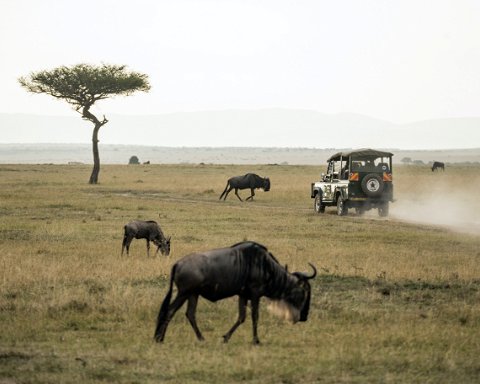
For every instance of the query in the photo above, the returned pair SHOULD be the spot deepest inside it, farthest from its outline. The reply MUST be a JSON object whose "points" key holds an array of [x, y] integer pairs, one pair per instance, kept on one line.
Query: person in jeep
{"points": [[360, 179]]}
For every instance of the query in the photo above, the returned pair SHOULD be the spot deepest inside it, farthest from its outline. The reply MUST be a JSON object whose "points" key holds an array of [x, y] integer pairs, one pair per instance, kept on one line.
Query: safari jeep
{"points": [[360, 179]]}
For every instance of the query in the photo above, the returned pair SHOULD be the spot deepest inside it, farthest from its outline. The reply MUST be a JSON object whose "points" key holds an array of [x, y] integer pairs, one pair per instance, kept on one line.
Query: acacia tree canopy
{"points": [[84, 84], [81, 86]]}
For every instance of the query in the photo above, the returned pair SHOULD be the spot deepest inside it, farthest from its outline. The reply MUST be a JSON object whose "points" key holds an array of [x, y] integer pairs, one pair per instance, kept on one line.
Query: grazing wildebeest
{"points": [[245, 269], [148, 230], [250, 180], [438, 165]]}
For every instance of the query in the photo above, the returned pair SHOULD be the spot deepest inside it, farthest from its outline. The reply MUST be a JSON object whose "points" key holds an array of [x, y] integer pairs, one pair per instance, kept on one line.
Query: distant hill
{"points": [[246, 128], [120, 154]]}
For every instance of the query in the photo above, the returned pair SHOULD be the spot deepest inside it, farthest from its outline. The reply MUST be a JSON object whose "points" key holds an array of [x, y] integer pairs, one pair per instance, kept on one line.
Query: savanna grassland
{"points": [[394, 302]]}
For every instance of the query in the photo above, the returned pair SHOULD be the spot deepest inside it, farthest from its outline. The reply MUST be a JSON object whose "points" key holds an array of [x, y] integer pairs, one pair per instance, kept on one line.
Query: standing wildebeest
{"points": [[250, 180], [245, 269], [148, 230], [438, 165]]}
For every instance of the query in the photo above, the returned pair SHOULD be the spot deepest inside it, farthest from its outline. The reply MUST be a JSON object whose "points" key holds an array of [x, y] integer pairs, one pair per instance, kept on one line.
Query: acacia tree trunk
{"points": [[96, 156], [87, 115]]}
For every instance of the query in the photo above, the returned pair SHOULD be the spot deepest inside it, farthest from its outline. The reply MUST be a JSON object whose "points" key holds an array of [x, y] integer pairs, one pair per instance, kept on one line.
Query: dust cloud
{"points": [[450, 208]]}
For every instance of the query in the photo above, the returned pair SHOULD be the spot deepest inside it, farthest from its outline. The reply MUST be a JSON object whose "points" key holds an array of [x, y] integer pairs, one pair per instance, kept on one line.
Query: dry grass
{"points": [[395, 301]]}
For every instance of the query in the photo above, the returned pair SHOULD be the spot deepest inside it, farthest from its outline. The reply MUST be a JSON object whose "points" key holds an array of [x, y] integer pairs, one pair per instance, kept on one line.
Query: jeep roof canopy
{"points": [[359, 152]]}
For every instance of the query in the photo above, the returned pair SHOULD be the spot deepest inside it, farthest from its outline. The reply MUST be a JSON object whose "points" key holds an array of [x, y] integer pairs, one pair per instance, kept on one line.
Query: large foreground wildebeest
{"points": [[245, 269], [148, 230], [250, 180], [438, 165]]}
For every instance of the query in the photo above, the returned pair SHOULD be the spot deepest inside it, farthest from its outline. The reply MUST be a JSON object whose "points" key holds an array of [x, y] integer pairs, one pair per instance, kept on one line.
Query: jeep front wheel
{"points": [[342, 209], [317, 204], [372, 184]]}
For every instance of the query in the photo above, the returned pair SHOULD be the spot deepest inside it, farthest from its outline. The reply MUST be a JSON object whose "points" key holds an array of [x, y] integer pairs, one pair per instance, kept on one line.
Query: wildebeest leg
{"points": [[148, 247], [173, 307], [126, 243], [191, 309], [251, 196], [255, 303], [236, 193], [225, 192], [242, 313], [157, 243]]}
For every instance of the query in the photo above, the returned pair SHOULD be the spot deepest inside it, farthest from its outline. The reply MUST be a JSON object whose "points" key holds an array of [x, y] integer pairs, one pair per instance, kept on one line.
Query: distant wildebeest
{"points": [[148, 230], [250, 180], [245, 269], [438, 165]]}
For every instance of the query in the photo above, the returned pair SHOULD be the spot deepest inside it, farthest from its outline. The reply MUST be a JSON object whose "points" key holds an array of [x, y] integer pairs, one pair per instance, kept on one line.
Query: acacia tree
{"points": [[81, 86]]}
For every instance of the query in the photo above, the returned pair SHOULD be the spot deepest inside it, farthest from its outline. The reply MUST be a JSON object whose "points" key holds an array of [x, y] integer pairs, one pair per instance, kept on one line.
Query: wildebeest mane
{"points": [[249, 242], [266, 265]]}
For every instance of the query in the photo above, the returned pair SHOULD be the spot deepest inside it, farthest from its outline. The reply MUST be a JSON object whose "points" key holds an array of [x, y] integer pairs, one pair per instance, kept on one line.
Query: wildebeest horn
{"points": [[314, 272], [305, 276]]}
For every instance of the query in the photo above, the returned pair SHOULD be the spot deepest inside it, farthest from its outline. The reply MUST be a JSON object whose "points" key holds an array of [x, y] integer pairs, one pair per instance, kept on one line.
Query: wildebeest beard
{"points": [[284, 310]]}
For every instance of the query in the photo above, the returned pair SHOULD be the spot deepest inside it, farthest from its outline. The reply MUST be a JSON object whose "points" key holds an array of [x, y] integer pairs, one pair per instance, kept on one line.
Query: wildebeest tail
{"points": [[163, 314], [224, 191]]}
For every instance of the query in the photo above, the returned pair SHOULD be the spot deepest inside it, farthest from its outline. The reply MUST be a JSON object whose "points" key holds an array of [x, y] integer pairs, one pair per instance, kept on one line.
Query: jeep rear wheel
{"points": [[342, 209], [372, 184], [383, 210], [317, 204]]}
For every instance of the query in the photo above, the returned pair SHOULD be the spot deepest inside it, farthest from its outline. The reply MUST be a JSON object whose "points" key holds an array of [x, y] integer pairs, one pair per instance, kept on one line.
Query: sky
{"points": [[400, 60]]}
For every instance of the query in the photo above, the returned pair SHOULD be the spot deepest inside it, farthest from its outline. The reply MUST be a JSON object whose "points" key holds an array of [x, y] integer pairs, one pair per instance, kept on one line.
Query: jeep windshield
{"points": [[371, 164]]}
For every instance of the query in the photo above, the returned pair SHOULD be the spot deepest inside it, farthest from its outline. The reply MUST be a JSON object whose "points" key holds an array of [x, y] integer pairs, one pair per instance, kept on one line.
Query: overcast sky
{"points": [[401, 61]]}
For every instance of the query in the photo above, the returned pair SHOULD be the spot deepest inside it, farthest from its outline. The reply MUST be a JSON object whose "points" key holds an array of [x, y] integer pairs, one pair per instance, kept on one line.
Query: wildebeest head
{"points": [[295, 303], [299, 296], [163, 245], [266, 184]]}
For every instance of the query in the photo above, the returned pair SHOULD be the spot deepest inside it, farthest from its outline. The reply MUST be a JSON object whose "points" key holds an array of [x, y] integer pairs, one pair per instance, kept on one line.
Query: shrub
{"points": [[133, 160]]}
